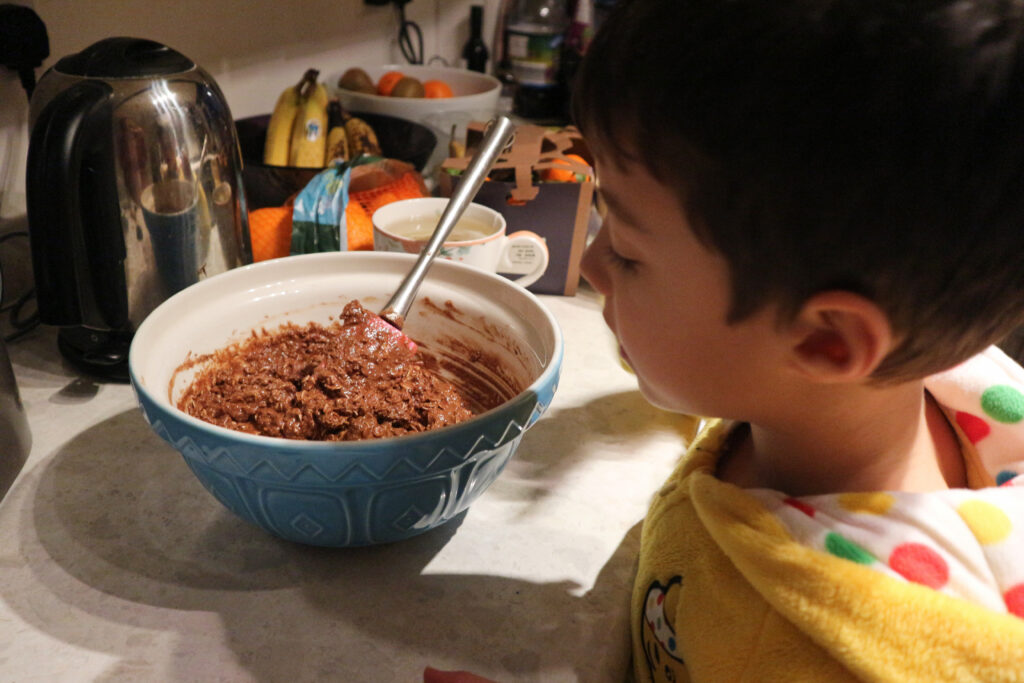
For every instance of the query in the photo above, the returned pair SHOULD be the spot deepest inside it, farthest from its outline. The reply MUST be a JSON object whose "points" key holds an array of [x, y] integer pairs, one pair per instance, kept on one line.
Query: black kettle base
{"points": [[103, 353]]}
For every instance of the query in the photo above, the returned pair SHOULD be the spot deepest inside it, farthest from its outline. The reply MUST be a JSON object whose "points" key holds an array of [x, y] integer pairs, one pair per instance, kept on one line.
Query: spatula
{"points": [[497, 136]]}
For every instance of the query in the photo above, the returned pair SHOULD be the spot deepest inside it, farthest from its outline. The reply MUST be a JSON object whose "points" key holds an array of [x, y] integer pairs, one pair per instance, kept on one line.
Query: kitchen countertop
{"points": [[115, 564]]}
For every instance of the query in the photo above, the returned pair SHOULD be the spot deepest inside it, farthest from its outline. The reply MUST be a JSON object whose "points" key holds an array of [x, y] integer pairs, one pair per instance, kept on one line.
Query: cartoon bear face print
{"points": [[658, 633]]}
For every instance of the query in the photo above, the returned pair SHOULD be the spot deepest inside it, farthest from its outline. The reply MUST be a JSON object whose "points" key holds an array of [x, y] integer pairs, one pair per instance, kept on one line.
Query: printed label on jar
{"points": [[534, 58]]}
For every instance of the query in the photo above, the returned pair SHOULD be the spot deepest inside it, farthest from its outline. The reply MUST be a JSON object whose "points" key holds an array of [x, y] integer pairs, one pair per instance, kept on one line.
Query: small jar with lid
{"points": [[534, 33]]}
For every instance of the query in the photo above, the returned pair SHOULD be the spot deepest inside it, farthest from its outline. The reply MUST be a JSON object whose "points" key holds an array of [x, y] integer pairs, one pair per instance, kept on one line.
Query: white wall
{"points": [[253, 48]]}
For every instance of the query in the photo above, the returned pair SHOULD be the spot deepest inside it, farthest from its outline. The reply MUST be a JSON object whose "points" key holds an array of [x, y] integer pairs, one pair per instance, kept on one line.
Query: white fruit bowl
{"points": [[476, 96]]}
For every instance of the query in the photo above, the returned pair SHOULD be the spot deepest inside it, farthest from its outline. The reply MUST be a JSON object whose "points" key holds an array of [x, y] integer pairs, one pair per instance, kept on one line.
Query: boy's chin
{"points": [[658, 400], [675, 404]]}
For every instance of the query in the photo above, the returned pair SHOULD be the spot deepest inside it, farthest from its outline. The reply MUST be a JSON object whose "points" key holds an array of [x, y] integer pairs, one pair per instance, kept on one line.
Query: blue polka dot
{"points": [[657, 623], [671, 644], [1005, 476]]}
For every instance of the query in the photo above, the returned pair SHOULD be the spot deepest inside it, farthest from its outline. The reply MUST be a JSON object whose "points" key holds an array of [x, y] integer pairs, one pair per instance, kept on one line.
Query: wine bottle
{"points": [[474, 52]]}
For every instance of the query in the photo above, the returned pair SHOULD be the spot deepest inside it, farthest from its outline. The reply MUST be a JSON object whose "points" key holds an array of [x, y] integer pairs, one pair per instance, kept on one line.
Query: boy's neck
{"points": [[863, 439]]}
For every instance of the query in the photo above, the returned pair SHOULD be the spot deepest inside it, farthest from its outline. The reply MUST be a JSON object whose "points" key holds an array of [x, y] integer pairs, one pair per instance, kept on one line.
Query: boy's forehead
{"points": [[632, 194], [619, 207]]}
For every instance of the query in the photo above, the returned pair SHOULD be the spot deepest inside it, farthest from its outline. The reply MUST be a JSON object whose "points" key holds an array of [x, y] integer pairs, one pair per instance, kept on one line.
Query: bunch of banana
{"points": [[297, 132], [308, 129], [348, 137]]}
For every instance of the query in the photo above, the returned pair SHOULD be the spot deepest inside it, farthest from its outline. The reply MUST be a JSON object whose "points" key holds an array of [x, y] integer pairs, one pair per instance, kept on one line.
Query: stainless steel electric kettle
{"points": [[134, 192]]}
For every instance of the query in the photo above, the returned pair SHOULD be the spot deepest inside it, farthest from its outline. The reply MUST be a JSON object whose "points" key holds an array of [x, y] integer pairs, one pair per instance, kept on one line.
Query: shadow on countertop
{"points": [[116, 509], [611, 420]]}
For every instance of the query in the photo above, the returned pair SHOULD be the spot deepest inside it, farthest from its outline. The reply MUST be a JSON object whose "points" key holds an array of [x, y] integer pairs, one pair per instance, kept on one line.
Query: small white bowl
{"points": [[476, 96]]}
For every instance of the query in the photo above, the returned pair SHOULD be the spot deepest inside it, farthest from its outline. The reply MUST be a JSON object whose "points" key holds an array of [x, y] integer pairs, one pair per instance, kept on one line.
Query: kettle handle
{"points": [[73, 212]]}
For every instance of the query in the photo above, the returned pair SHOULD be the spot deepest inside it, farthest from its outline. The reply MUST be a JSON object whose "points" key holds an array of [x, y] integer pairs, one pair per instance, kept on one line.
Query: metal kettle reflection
{"points": [[134, 192]]}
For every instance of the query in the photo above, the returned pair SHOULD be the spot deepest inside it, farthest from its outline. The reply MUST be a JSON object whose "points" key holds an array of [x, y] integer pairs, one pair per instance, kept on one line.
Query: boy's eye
{"points": [[618, 260]]}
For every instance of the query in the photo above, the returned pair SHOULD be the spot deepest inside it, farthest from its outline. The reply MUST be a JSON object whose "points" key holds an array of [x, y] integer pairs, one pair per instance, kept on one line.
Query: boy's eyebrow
{"points": [[620, 210]]}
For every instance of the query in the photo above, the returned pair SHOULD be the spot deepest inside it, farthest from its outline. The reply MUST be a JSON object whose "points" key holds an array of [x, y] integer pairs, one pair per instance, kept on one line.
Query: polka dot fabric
{"points": [[984, 397], [968, 544], [962, 542]]}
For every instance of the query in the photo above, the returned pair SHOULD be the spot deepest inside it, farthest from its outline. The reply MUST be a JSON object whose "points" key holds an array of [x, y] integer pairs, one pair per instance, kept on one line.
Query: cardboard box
{"points": [[557, 211]]}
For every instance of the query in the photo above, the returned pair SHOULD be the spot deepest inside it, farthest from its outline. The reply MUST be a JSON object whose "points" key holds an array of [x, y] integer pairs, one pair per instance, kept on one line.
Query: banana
{"points": [[309, 131], [361, 138], [456, 149], [321, 94], [337, 139], [279, 129]]}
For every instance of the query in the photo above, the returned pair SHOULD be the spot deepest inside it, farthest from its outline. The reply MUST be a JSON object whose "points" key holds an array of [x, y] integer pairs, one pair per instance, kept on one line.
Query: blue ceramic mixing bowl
{"points": [[358, 492]]}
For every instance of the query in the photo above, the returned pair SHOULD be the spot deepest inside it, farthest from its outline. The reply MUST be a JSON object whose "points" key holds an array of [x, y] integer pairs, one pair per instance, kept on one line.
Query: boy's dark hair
{"points": [[874, 146]]}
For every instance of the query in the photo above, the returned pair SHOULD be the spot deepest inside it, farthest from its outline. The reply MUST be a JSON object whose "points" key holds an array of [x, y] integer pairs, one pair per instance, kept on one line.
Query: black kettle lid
{"points": [[125, 58]]}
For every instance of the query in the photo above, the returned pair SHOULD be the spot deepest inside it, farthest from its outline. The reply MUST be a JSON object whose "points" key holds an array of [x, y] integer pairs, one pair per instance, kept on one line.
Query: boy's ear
{"points": [[839, 337]]}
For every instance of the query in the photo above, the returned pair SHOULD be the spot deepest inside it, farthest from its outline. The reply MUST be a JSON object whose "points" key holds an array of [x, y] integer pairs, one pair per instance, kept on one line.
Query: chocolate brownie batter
{"points": [[352, 379]]}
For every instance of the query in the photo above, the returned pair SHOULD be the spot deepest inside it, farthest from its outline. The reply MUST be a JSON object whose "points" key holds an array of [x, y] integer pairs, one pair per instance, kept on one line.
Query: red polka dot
{"points": [[920, 564], [800, 505], [975, 428], [1015, 600]]}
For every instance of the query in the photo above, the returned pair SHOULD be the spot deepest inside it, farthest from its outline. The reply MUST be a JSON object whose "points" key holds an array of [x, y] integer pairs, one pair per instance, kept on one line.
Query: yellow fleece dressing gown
{"points": [[738, 584]]}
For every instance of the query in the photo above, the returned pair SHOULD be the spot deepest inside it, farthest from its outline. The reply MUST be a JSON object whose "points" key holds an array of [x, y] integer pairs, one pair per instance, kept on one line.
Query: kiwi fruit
{"points": [[408, 87], [358, 80]]}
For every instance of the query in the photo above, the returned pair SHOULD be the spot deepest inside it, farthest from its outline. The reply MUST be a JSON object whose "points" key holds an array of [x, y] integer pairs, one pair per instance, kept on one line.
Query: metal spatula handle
{"points": [[498, 134]]}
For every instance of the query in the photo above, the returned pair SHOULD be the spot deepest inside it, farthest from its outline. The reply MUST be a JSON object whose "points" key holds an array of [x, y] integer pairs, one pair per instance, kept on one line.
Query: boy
{"points": [[815, 210], [815, 232]]}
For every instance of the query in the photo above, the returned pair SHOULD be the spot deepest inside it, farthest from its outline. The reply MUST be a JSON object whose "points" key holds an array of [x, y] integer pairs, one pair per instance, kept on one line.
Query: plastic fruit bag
{"points": [[333, 211], [318, 214], [382, 181]]}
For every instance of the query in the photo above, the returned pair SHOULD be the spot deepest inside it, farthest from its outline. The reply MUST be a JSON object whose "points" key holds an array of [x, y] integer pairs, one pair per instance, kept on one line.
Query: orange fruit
{"points": [[566, 175], [379, 199], [270, 230], [358, 227], [387, 82], [437, 89]]}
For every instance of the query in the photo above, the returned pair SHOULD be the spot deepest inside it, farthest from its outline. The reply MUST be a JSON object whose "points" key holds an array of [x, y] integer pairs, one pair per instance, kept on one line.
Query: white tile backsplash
{"points": [[253, 49]]}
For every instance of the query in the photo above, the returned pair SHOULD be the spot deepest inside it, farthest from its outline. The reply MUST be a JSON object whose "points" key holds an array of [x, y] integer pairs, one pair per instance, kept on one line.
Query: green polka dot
{"points": [[847, 549], [1003, 403], [1005, 476]]}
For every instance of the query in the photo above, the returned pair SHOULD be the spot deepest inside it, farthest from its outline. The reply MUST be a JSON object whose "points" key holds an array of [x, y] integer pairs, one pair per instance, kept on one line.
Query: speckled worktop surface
{"points": [[116, 565]]}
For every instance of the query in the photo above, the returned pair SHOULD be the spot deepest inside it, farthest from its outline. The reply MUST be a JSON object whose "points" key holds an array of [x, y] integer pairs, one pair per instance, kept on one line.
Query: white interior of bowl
{"points": [[489, 312], [476, 95]]}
